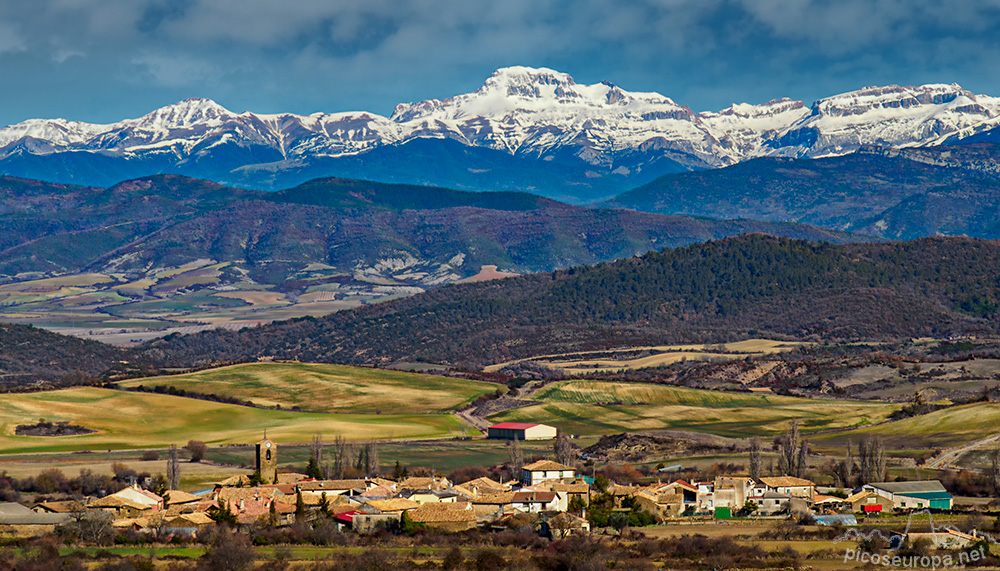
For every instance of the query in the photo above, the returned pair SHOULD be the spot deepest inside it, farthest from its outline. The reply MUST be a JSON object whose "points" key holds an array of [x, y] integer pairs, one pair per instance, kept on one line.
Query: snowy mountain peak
{"points": [[534, 112], [891, 97], [186, 113]]}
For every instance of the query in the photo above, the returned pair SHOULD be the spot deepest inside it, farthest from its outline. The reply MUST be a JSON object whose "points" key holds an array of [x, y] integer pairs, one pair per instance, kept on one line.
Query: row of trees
{"points": [[793, 457]]}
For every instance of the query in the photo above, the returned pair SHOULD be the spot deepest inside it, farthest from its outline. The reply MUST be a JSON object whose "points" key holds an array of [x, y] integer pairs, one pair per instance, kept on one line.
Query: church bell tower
{"points": [[267, 460]]}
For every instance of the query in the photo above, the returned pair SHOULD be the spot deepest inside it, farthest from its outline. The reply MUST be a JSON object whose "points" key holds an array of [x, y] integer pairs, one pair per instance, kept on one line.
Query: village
{"points": [[552, 498]]}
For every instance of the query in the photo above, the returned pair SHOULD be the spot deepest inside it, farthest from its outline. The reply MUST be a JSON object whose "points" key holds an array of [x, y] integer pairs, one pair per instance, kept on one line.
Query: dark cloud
{"points": [[101, 60]]}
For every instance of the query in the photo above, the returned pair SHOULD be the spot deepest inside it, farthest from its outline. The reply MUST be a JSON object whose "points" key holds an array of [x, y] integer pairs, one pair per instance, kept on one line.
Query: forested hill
{"points": [[29, 354], [750, 286], [898, 194]]}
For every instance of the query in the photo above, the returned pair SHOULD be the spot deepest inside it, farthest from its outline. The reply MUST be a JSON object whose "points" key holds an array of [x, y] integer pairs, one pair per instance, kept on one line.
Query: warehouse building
{"points": [[521, 431]]}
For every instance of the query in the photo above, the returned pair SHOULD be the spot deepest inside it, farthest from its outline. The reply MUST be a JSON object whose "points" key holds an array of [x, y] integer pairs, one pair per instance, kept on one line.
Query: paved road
{"points": [[951, 455]]}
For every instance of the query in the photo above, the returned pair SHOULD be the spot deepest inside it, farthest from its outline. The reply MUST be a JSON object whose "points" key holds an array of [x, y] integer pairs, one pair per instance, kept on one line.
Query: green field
{"points": [[330, 388], [127, 420], [597, 407]]}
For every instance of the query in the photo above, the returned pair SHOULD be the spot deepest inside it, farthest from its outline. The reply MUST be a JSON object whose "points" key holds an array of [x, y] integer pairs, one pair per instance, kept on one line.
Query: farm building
{"points": [[913, 495], [521, 431]]}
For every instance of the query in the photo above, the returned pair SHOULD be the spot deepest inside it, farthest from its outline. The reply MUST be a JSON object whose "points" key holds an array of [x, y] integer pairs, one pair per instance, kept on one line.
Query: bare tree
{"points": [[316, 448], [173, 469], [755, 458], [95, 527], [516, 457], [803, 461], [788, 451], [563, 449], [871, 457], [995, 470], [343, 456], [371, 455]]}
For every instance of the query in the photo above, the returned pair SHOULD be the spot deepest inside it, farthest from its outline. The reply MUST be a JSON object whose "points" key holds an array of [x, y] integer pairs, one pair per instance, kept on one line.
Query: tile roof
{"points": [[485, 483], [378, 492], [393, 505], [318, 485], [547, 465], [786, 482], [443, 513], [196, 518], [114, 501], [68, 506], [232, 495], [237, 481], [534, 497], [495, 499], [181, 497]]}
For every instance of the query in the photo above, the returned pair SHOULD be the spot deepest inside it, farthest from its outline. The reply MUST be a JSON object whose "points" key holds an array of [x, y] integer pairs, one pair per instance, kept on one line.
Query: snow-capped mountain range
{"points": [[524, 112]]}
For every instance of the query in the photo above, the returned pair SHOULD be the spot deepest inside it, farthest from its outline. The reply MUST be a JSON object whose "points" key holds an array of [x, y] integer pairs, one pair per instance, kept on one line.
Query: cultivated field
{"points": [[330, 388], [633, 406], [945, 428], [581, 363], [138, 420]]}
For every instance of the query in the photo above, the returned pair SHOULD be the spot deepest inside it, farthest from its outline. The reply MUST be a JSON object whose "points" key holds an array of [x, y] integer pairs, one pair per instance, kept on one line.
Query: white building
{"points": [[521, 431], [543, 470]]}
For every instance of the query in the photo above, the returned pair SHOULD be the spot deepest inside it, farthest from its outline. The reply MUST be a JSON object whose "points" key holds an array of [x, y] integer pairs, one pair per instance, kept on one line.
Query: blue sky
{"points": [[104, 60]]}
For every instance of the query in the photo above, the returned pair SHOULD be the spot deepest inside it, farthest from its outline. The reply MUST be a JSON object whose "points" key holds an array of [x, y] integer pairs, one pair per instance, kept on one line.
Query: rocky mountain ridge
{"points": [[534, 114]]}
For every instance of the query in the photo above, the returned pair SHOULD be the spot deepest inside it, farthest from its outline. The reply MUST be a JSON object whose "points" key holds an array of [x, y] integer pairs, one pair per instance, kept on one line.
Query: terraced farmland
{"points": [[330, 388], [597, 407]]}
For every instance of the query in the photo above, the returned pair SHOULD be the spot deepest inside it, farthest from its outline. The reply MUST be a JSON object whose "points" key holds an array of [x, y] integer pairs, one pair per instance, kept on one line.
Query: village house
{"points": [[706, 496], [335, 487], [432, 496], [424, 483], [869, 502], [790, 486], [521, 431], [453, 517], [484, 485], [120, 507], [538, 501], [730, 494], [770, 503], [187, 525], [543, 470], [491, 507], [59, 507], [575, 488]]}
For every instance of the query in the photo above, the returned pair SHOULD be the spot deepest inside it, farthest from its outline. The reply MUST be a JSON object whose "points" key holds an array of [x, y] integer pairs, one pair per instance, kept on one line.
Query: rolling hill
{"points": [[166, 253]]}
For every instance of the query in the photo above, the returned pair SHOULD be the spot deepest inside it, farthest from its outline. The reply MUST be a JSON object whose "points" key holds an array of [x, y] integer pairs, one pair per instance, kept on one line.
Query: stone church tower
{"points": [[267, 460]]}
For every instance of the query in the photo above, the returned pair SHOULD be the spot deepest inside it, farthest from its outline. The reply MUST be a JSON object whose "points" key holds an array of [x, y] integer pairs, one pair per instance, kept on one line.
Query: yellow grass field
{"points": [[940, 429], [578, 363], [126, 420], [597, 407], [330, 388], [194, 476]]}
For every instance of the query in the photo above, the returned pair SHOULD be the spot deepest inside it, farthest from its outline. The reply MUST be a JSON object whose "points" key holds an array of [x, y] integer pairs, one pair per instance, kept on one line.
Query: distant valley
{"points": [[165, 253]]}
